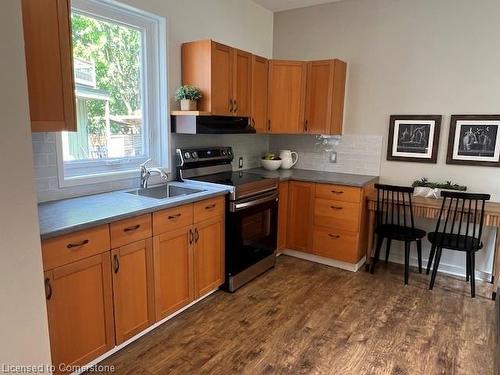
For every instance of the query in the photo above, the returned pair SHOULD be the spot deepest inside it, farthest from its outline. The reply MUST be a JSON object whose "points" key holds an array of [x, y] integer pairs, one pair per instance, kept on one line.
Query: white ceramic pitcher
{"points": [[288, 158]]}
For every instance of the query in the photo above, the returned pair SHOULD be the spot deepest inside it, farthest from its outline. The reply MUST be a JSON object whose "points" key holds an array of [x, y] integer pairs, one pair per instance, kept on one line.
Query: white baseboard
{"points": [[446, 268], [326, 261], [139, 335]]}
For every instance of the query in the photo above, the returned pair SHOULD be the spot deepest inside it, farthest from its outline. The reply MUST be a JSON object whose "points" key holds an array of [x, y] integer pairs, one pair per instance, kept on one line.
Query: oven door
{"points": [[251, 231]]}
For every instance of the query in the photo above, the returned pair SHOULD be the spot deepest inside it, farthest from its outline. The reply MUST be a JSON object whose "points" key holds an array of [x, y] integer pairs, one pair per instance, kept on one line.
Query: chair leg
{"points": [[380, 239], [436, 265], [467, 266], [472, 266], [431, 257], [407, 261], [387, 250], [419, 254]]}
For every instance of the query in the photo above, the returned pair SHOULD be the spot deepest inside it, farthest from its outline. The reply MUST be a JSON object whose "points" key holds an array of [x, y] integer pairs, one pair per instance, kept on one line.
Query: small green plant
{"points": [[188, 92], [424, 182]]}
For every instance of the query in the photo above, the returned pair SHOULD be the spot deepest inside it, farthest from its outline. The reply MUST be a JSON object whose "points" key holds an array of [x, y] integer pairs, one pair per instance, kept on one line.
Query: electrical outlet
{"points": [[240, 162], [333, 156]]}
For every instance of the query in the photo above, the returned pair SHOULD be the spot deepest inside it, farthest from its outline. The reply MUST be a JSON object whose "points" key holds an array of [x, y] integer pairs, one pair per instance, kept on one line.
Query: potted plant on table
{"points": [[188, 95], [428, 189]]}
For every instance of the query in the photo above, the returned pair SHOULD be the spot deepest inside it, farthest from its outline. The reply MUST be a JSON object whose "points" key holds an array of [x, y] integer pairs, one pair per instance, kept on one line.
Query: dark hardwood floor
{"points": [[305, 318]]}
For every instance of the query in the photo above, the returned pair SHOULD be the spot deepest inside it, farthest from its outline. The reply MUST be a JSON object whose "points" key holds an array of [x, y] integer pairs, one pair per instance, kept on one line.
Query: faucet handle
{"points": [[143, 165]]}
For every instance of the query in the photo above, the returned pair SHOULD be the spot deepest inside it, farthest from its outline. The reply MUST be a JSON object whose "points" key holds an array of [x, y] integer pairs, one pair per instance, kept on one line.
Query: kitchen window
{"points": [[119, 64]]}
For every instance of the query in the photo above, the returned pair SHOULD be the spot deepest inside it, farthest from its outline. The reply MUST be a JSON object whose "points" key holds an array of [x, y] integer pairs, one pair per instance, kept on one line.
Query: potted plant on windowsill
{"points": [[188, 95]]}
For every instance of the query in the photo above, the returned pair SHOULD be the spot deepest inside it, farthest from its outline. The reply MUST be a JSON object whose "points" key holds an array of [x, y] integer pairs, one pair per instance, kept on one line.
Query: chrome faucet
{"points": [[146, 173]]}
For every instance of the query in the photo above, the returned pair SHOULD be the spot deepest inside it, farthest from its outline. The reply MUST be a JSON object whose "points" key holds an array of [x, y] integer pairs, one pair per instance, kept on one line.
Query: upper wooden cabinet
{"points": [[49, 64], [325, 97], [260, 71], [224, 75], [287, 91]]}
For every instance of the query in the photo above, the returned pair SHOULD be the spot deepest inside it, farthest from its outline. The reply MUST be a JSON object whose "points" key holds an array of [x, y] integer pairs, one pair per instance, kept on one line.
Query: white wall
{"points": [[238, 23], [23, 319], [406, 57]]}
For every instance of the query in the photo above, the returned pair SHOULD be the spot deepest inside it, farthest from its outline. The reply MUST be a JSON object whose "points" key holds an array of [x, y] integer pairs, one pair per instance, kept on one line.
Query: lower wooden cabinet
{"points": [[208, 255], [335, 244], [99, 297], [282, 214], [80, 310], [300, 215], [133, 288], [173, 264]]}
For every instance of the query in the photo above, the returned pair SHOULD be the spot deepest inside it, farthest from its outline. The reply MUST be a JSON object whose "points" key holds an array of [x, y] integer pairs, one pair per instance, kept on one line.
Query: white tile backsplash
{"points": [[357, 154], [249, 146]]}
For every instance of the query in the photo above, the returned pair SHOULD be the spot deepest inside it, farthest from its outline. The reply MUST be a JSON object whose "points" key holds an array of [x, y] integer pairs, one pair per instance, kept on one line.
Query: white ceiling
{"points": [[279, 5]]}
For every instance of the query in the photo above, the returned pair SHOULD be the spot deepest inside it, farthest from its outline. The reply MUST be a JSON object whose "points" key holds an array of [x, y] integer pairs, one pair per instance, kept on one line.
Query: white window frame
{"points": [[154, 82]]}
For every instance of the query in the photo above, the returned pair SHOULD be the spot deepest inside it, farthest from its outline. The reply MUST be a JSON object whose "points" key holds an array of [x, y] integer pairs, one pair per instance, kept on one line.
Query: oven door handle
{"points": [[243, 205]]}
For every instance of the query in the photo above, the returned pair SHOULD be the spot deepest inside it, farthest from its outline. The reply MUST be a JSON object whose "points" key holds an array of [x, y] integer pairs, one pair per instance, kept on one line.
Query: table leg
{"points": [[496, 265], [371, 233]]}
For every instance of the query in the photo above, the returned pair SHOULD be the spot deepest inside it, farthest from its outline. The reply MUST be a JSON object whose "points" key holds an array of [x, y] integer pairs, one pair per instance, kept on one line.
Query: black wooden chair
{"points": [[459, 227], [395, 222]]}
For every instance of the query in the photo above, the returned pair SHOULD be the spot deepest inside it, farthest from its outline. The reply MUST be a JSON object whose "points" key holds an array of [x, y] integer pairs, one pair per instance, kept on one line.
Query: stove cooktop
{"points": [[245, 184], [230, 178]]}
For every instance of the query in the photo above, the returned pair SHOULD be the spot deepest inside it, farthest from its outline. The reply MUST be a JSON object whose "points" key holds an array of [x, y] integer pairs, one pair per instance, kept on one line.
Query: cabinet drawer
{"points": [[209, 208], [337, 215], [336, 245], [172, 219], [338, 192], [71, 247], [130, 230]]}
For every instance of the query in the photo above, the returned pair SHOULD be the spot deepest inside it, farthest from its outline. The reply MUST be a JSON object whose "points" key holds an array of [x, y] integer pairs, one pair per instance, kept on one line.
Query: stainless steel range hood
{"points": [[192, 124]]}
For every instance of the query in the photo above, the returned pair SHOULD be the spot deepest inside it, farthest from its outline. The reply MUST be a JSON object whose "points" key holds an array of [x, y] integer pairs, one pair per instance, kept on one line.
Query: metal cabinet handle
{"points": [[337, 192], [196, 235], [231, 105], [252, 122], [78, 244], [235, 106], [333, 235], [132, 228], [305, 125], [116, 263], [171, 217], [209, 207], [48, 289], [336, 207], [191, 236], [269, 125]]}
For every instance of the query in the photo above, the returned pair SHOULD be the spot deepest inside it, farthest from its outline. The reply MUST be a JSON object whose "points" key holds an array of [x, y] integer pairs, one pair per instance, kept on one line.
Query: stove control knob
{"points": [[223, 152], [229, 151], [194, 154], [187, 155]]}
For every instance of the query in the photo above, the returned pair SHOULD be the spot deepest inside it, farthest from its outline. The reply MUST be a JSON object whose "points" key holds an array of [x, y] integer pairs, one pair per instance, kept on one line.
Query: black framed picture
{"points": [[474, 140], [414, 138]]}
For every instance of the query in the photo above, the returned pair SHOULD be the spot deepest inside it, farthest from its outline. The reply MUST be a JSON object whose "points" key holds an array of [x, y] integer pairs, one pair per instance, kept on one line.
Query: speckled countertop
{"points": [[306, 175], [69, 215]]}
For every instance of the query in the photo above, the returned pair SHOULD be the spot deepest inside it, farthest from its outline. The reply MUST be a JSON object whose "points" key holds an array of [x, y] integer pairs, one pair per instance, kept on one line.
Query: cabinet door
{"points": [[173, 265], [260, 71], [287, 88], [222, 80], [208, 255], [300, 217], [80, 310], [325, 96], [133, 288], [282, 214], [319, 97], [242, 88], [47, 44]]}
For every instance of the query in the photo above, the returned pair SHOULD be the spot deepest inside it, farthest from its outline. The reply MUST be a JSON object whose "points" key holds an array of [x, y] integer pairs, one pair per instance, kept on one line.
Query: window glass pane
{"points": [[109, 107]]}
